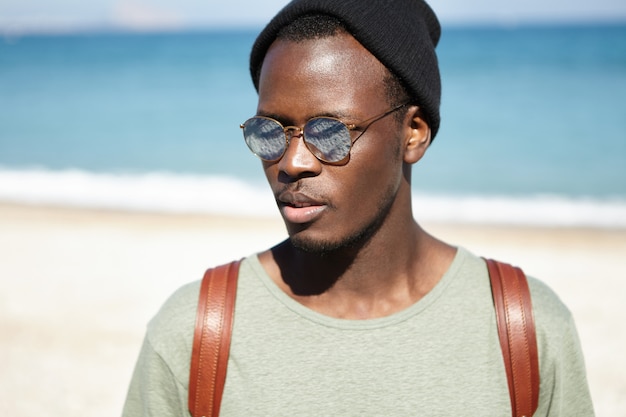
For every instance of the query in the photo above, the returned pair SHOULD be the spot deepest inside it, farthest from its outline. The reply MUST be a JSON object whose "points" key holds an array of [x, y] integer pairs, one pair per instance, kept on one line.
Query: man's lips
{"points": [[299, 208]]}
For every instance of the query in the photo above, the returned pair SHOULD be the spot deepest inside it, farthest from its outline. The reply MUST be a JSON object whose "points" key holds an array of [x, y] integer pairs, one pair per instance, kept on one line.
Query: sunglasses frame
{"points": [[290, 132]]}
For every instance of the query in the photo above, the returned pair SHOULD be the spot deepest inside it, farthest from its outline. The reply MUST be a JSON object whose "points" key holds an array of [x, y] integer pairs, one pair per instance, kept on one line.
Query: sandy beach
{"points": [[78, 286]]}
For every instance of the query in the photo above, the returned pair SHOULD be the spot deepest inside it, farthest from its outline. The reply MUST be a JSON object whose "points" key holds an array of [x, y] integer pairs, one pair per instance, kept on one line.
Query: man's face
{"points": [[327, 207]]}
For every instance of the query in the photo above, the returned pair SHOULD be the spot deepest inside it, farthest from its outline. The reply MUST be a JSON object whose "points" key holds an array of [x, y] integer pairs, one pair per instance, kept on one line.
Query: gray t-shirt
{"points": [[439, 357]]}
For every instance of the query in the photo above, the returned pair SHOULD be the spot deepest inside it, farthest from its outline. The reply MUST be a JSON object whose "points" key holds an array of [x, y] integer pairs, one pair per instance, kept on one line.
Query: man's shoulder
{"points": [[548, 308], [171, 329], [179, 303], [546, 300], [175, 319], [555, 328]]}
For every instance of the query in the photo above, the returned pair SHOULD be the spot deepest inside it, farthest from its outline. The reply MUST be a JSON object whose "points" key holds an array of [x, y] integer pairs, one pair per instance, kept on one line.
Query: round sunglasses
{"points": [[327, 138]]}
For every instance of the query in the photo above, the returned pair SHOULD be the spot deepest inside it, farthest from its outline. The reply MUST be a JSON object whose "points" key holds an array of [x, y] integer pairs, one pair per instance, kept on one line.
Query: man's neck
{"points": [[382, 277]]}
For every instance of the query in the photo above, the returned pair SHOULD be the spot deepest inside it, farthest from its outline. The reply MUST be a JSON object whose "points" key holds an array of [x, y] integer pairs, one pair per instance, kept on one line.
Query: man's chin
{"points": [[322, 246], [314, 246]]}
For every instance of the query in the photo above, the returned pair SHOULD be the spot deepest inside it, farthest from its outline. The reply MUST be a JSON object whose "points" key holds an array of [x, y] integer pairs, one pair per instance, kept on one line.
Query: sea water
{"points": [[533, 125]]}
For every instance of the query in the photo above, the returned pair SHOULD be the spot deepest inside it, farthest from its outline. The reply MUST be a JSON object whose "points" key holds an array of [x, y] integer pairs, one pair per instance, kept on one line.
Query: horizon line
{"points": [[9, 31]]}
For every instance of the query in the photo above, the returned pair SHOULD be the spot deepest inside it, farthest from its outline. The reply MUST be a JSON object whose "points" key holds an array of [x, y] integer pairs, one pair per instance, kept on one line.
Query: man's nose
{"points": [[298, 161]]}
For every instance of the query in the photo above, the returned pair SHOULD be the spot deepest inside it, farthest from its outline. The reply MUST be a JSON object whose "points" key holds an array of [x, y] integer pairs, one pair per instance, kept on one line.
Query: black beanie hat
{"points": [[401, 34]]}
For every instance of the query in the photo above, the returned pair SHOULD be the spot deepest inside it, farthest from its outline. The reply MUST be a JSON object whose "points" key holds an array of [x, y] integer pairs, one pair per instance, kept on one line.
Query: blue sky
{"points": [[63, 15]]}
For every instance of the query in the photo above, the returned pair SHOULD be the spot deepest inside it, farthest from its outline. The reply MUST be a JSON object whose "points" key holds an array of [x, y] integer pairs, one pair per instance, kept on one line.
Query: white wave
{"points": [[539, 210], [177, 193], [153, 192]]}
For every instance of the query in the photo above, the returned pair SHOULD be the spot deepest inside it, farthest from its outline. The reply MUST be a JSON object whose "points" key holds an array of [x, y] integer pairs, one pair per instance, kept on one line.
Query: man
{"points": [[360, 312]]}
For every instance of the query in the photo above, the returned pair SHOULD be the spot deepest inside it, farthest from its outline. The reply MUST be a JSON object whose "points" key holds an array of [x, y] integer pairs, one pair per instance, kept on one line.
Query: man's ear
{"points": [[418, 136]]}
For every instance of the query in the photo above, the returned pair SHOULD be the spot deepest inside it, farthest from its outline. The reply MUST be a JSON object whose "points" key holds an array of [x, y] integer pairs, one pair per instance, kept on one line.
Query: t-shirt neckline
{"points": [[365, 324]]}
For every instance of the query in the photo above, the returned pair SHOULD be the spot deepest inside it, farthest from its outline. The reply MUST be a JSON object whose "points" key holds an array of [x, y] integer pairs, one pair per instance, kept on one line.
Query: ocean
{"points": [[533, 125]]}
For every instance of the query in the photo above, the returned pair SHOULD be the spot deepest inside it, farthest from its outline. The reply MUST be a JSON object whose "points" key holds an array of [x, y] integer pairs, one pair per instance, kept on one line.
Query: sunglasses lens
{"points": [[328, 139], [265, 138]]}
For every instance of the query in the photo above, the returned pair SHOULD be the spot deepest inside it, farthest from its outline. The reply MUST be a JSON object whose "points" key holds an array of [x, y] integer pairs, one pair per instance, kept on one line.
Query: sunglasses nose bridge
{"points": [[291, 131]]}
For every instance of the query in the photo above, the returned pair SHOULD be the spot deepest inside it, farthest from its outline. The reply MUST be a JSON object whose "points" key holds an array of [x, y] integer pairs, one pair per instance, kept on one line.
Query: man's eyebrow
{"points": [[270, 115], [341, 115], [337, 115]]}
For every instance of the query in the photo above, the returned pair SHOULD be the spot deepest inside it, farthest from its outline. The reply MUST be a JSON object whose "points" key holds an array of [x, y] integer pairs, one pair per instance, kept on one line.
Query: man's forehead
{"points": [[340, 55]]}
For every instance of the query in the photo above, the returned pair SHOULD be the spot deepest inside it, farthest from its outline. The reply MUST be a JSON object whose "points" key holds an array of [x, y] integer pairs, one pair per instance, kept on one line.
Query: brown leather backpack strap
{"points": [[516, 330], [211, 340]]}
